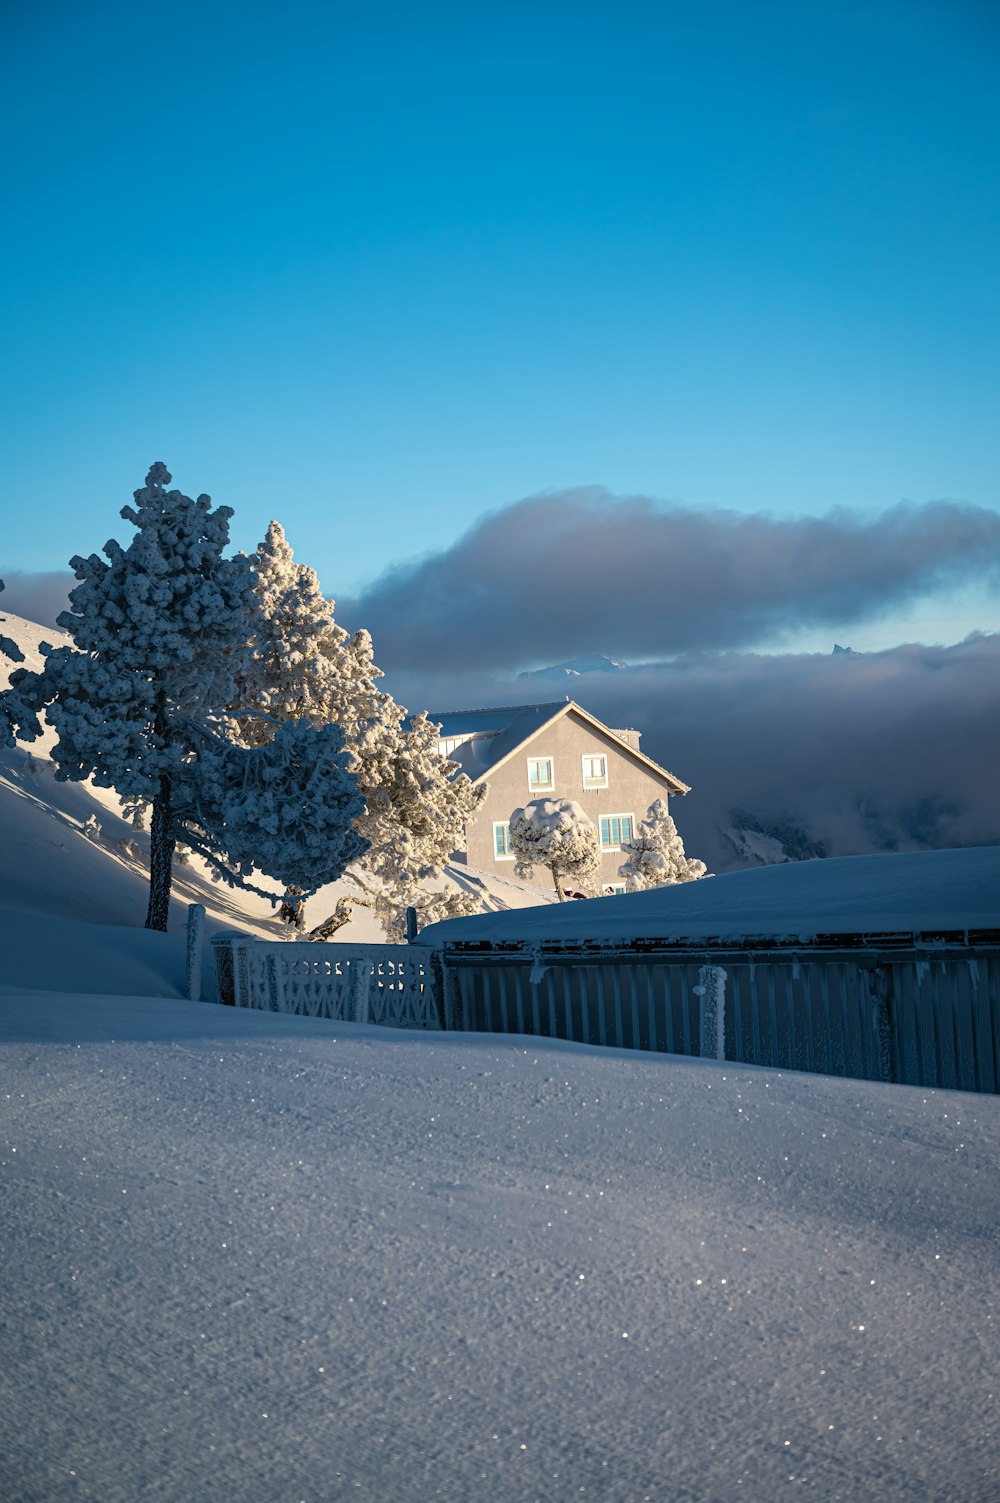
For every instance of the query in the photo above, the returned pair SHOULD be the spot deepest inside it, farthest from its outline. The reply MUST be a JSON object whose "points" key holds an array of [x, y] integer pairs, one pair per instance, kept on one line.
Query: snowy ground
{"points": [[267, 1260]]}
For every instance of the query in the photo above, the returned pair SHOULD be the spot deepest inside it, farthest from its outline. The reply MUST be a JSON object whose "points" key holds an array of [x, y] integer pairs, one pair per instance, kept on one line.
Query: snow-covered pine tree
{"points": [[157, 633], [304, 665], [297, 663], [419, 804], [286, 809], [555, 833], [655, 857]]}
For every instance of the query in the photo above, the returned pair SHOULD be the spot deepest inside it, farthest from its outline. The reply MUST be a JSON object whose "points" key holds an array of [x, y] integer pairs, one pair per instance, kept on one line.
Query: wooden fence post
{"points": [[711, 992], [195, 948], [879, 994]]}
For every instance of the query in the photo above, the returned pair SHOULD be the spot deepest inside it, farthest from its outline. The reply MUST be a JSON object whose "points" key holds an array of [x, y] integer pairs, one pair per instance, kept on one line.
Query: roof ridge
{"points": [[541, 704]]}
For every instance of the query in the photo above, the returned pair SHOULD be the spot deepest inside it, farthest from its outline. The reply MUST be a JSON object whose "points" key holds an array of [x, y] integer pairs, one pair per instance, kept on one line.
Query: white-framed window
{"points": [[614, 889], [502, 849], [615, 830], [595, 771], [541, 774]]}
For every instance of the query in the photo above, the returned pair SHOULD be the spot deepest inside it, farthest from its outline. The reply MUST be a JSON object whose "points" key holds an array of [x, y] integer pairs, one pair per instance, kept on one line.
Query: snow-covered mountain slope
{"points": [[575, 668], [759, 841], [29, 637]]}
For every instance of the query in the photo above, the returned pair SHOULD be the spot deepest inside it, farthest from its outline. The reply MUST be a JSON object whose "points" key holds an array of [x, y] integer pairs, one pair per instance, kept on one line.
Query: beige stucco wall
{"points": [[631, 789]]}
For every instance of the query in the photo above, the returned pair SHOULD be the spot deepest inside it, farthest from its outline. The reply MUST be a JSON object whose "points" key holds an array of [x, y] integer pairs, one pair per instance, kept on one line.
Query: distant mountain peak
{"points": [[849, 650], [575, 668]]}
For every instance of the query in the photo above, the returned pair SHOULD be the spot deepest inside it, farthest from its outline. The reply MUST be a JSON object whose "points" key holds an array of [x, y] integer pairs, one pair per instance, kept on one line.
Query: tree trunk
{"points": [[161, 859], [293, 909], [558, 886]]}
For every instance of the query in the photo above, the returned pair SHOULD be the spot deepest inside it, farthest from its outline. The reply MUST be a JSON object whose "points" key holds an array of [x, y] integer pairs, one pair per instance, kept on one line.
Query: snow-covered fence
{"points": [[917, 1016], [385, 984]]}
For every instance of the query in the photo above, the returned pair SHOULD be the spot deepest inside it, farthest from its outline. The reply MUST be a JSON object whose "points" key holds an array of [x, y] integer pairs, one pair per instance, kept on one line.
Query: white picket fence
{"points": [[384, 984]]}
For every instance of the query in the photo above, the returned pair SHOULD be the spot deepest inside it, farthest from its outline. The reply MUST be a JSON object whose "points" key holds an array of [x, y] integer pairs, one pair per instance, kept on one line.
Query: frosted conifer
{"points": [[418, 810], [655, 857], [296, 663], [303, 665], [555, 833], [157, 632], [287, 808]]}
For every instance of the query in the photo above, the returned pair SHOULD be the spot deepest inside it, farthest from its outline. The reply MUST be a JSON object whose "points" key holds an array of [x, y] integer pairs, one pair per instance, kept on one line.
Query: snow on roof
{"points": [[488, 722], [920, 892], [505, 727]]}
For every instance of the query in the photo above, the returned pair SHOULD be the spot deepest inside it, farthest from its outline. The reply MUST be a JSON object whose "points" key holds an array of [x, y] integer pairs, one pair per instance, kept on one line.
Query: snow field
{"points": [[270, 1259], [259, 1258]]}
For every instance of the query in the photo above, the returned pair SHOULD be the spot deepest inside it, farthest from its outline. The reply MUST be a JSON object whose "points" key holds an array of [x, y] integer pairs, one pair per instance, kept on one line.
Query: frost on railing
{"points": [[384, 984]]}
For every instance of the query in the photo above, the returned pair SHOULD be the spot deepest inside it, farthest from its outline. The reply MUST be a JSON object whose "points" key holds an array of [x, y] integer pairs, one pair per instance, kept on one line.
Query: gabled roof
{"points": [[505, 728]]}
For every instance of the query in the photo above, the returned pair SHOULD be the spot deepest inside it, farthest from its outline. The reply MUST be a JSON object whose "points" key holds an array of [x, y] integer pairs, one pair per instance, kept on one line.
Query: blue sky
{"points": [[376, 270]]}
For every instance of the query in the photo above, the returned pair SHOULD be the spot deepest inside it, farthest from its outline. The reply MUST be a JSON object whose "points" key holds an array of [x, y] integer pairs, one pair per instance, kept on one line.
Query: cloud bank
{"points": [[834, 755], [581, 571], [37, 597]]}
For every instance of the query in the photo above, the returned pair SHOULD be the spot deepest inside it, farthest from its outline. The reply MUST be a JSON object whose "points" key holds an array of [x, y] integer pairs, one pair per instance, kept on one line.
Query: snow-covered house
{"points": [[556, 750]]}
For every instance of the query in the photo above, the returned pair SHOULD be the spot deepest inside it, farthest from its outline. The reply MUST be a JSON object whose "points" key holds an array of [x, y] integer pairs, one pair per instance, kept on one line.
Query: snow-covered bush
{"points": [[303, 665], [555, 833], [655, 857]]}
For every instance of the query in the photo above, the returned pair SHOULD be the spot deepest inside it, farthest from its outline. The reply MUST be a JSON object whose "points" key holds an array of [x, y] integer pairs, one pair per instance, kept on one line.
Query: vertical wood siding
{"points": [[909, 1019]]}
